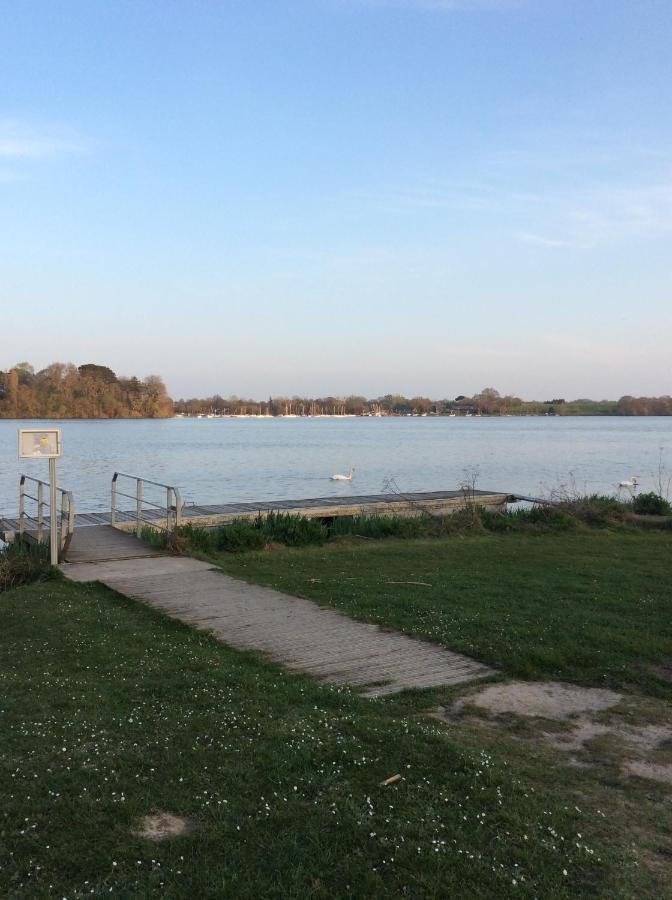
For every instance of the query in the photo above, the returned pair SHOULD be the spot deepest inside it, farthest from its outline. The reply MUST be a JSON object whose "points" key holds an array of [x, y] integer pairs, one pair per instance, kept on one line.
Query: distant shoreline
{"points": [[94, 391], [530, 415]]}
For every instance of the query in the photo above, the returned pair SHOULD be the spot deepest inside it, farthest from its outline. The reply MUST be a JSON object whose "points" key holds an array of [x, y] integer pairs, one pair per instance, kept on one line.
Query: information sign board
{"points": [[39, 443]]}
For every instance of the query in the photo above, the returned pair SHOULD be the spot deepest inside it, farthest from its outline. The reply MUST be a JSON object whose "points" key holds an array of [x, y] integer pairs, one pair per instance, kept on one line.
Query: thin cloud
{"points": [[593, 217], [18, 142], [540, 241], [602, 216], [582, 216]]}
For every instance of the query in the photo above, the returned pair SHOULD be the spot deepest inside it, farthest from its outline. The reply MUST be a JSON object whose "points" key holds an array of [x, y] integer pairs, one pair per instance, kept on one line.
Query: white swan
{"points": [[344, 477], [629, 483]]}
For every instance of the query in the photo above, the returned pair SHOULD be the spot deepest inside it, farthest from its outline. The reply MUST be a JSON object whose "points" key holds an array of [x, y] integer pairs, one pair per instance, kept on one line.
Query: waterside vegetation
{"points": [[644, 511], [21, 564]]}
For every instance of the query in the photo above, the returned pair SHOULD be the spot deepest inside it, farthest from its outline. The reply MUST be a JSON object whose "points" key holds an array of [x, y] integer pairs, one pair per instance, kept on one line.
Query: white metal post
{"points": [[22, 506], [64, 523], [40, 511], [53, 513], [178, 508], [113, 510], [138, 508]]}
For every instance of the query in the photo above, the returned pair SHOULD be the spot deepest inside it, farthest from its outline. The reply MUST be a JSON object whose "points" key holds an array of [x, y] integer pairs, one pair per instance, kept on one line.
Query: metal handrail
{"points": [[173, 507], [65, 518]]}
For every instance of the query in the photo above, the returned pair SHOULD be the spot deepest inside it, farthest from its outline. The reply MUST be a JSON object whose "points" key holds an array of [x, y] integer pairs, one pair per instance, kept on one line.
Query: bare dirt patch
{"points": [[663, 670], [548, 700], [162, 826], [645, 769], [640, 737], [580, 722]]}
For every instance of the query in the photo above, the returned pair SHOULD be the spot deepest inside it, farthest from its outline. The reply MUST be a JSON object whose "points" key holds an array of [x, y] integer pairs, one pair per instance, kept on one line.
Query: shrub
{"points": [[154, 537], [295, 531], [198, 538], [498, 521], [378, 526], [544, 516], [651, 504], [465, 519], [21, 564], [241, 534], [597, 510]]}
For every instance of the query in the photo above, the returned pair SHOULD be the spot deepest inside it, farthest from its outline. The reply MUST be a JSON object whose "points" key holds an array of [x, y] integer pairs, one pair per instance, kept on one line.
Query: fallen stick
{"points": [[391, 780]]}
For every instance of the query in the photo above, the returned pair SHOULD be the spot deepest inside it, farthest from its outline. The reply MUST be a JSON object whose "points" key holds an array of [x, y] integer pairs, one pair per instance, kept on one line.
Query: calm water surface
{"points": [[221, 460]]}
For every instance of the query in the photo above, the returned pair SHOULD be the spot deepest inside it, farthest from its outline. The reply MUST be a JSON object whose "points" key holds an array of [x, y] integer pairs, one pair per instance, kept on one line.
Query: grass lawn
{"points": [[594, 607], [110, 711]]}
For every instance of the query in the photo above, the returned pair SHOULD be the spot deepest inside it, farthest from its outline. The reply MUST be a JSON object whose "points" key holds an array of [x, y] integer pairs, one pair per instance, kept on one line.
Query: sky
{"points": [[319, 197]]}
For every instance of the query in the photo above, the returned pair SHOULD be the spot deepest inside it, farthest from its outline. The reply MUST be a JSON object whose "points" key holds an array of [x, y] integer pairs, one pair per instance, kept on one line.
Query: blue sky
{"points": [[334, 196]]}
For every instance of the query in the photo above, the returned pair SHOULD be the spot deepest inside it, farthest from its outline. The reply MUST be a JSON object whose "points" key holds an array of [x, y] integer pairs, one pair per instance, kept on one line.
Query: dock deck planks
{"points": [[435, 502]]}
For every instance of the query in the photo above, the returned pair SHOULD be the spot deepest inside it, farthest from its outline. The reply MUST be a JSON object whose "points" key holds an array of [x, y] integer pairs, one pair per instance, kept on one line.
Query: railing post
{"points": [[53, 514], [63, 531], [40, 511], [71, 514], [113, 508], [173, 504], [138, 508], [22, 506], [178, 508]]}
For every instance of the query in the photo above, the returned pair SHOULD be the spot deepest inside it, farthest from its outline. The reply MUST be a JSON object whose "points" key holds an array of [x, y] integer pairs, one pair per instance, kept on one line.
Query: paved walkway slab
{"points": [[294, 632]]}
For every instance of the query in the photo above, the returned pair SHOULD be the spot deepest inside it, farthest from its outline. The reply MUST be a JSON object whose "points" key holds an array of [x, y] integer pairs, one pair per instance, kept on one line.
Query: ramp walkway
{"points": [[99, 543], [291, 631]]}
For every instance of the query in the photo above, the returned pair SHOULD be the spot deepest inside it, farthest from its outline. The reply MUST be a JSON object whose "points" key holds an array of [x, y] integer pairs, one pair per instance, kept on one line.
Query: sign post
{"points": [[45, 443]]}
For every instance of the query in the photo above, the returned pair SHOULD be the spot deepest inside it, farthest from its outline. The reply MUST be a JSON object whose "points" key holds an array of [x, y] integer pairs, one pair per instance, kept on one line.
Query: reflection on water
{"points": [[222, 460]]}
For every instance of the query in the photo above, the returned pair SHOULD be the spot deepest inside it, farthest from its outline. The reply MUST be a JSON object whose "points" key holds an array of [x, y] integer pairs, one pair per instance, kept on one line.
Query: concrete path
{"points": [[294, 632]]}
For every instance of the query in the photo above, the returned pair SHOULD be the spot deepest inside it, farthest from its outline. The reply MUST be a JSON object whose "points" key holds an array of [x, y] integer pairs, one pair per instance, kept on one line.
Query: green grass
{"points": [[110, 711], [593, 607]]}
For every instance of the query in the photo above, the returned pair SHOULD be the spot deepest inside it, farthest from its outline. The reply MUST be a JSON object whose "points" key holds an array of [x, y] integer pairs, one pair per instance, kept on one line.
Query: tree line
{"points": [[488, 402], [90, 391], [64, 390]]}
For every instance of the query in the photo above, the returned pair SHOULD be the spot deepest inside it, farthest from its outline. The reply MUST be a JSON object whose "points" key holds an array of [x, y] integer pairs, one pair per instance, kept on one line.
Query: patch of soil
{"points": [[574, 707], [582, 731], [646, 769], [161, 826], [663, 670], [545, 699], [641, 737]]}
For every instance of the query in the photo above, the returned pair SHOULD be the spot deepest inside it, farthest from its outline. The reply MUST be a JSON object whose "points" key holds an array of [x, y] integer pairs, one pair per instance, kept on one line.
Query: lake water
{"points": [[224, 460]]}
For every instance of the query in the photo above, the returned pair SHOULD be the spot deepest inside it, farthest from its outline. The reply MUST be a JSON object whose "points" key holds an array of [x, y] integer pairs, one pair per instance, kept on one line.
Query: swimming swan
{"points": [[344, 477]]}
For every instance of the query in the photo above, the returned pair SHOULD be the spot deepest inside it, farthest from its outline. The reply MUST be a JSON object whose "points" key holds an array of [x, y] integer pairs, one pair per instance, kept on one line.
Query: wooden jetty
{"points": [[435, 503]]}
